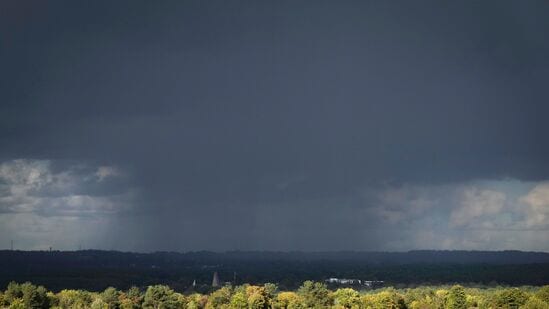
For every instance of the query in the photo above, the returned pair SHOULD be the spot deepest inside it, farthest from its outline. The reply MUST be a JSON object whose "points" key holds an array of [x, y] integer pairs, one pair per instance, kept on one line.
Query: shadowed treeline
{"points": [[96, 270]]}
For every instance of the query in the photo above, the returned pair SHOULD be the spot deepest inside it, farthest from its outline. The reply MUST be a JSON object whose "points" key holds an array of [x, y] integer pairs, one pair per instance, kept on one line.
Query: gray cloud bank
{"points": [[312, 125]]}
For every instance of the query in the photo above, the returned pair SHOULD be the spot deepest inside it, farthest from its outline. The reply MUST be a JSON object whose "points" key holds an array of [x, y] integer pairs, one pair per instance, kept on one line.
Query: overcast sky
{"points": [[274, 125]]}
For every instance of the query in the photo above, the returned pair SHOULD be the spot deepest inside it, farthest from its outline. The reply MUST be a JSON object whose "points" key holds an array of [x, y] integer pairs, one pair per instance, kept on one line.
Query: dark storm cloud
{"points": [[267, 121]]}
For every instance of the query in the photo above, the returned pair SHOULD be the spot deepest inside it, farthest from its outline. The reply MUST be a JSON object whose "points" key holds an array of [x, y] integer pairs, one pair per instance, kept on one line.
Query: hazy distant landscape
{"points": [[96, 270]]}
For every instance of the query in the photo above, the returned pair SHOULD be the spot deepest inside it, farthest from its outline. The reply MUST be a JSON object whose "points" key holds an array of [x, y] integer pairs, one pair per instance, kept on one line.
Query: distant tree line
{"points": [[97, 270], [267, 296]]}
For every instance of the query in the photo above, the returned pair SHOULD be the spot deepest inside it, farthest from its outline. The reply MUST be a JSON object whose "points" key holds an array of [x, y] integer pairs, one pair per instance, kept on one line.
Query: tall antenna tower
{"points": [[12, 245]]}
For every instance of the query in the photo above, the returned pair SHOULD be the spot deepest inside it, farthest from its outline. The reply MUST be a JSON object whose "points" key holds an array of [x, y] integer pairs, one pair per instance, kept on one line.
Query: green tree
{"points": [[288, 300], [456, 298], [440, 298], [257, 297], [132, 299], [98, 303], [161, 297], [272, 290], [74, 299], [315, 295], [17, 304], [239, 300], [543, 293], [511, 299], [53, 299], [110, 297], [425, 303], [388, 299], [196, 301], [346, 298], [535, 303], [13, 292], [220, 298], [420, 298], [34, 297]]}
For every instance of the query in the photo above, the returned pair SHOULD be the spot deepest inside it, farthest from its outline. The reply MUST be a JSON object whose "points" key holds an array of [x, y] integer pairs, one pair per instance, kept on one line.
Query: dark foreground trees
{"points": [[310, 295], [25, 295]]}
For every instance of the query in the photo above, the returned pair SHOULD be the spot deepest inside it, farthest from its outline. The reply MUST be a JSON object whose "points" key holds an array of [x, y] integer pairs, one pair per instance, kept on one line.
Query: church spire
{"points": [[215, 280]]}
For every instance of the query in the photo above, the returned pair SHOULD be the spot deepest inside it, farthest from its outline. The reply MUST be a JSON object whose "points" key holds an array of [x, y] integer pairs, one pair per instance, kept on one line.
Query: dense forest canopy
{"points": [[309, 295]]}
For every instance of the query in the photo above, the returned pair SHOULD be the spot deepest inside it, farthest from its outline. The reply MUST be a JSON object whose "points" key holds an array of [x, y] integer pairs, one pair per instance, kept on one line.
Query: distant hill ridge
{"points": [[374, 257]]}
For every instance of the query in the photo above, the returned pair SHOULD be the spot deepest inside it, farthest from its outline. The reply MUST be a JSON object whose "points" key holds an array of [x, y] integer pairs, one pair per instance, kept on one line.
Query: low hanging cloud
{"points": [[479, 215], [47, 203], [535, 205], [474, 215], [44, 205], [104, 172], [477, 204], [498, 204]]}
